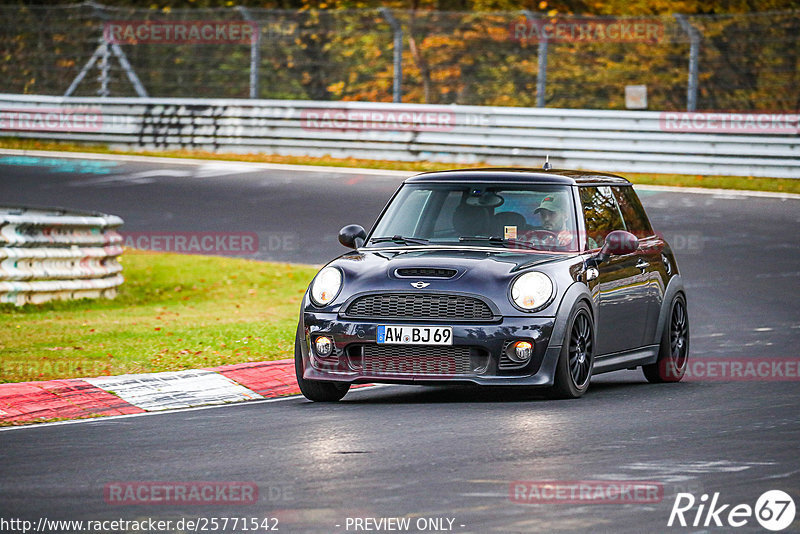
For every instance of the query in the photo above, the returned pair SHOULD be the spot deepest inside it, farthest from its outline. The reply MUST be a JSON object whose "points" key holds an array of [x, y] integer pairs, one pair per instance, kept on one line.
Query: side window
{"points": [[601, 214], [633, 213], [412, 209]]}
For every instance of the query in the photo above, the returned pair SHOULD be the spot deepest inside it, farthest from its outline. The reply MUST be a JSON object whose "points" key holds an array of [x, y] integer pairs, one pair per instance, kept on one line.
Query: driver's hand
{"points": [[564, 238]]}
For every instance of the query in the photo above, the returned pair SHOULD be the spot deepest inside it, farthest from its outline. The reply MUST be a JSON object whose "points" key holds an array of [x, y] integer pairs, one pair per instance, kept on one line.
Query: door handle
{"points": [[641, 264]]}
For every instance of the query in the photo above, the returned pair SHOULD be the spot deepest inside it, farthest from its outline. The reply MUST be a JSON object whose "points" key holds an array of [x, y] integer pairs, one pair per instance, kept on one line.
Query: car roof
{"points": [[521, 175]]}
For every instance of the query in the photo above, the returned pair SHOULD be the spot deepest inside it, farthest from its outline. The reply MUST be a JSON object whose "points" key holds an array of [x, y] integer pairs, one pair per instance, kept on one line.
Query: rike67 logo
{"points": [[774, 510]]}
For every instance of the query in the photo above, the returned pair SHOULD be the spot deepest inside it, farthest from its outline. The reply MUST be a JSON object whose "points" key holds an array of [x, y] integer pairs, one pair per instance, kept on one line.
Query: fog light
{"points": [[522, 351], [323, 346]]}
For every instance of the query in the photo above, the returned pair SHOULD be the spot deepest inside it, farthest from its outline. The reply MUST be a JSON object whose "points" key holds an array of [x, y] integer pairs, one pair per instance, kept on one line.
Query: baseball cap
{"points": [[551, 203]]}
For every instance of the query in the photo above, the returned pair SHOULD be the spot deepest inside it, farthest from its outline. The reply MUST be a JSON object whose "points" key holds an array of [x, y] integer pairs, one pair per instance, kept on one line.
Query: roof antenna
{"points": [[547, 165]]}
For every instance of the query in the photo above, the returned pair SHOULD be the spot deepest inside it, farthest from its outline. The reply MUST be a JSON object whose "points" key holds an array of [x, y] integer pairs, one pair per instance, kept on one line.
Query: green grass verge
{"points": [[748, 183], [173, 312]]}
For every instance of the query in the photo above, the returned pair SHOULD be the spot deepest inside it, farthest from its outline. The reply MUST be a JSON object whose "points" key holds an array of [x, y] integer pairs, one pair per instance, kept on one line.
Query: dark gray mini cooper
{"points": [[497, 277]]}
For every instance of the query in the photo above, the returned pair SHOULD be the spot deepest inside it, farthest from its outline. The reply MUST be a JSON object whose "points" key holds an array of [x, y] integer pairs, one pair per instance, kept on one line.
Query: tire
{"points": [[673, 355], [575, 363], [315, 390]]}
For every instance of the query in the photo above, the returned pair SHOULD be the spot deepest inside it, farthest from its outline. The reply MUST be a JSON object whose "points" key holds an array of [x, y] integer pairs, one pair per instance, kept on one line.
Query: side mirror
{"points": [[618, 242], [352, 236]]}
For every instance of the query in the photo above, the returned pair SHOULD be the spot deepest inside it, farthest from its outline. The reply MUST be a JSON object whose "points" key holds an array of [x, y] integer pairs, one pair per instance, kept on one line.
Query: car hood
{"points": [[501, 261], [482, 271]]}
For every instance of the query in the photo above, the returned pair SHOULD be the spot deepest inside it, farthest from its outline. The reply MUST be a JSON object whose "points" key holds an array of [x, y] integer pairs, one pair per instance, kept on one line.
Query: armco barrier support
{"points": [[738, 144], [48, 254]]}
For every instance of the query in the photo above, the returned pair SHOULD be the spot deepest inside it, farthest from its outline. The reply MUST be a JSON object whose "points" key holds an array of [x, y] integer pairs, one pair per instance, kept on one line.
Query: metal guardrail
{"points": [[48, 254], [621, 141]]}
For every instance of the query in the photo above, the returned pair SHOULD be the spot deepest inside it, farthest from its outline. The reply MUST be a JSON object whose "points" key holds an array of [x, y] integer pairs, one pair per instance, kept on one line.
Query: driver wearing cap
{"points": [[553, 214]]}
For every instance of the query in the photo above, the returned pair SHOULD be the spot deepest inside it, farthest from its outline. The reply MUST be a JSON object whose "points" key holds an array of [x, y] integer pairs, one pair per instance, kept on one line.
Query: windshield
{"points": [[525, 217]]}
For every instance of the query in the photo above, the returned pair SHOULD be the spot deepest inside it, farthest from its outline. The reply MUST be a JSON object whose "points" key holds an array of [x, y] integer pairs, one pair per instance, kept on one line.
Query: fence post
{"points": [[101, 54], [694, 56], [129, 72], [255, 51], [541, 76], [102, 77], [397, 46]]}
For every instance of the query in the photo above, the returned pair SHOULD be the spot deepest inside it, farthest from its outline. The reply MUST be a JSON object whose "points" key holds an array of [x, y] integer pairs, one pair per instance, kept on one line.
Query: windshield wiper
{"points": [[400, 240], [491, 238], [499, 240]]}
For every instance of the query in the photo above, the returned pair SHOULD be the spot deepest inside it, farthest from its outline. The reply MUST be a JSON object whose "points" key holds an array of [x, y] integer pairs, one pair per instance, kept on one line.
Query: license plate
{"points": [[415, 335]]}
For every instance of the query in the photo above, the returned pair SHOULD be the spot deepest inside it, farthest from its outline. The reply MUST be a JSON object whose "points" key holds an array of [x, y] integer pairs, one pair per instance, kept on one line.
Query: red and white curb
{"points": [[181, 389], [139, 393]]}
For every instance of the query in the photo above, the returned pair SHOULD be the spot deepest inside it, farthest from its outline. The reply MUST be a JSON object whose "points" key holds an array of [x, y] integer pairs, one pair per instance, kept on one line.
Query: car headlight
{"points": [[532, 291], [326, 286]]}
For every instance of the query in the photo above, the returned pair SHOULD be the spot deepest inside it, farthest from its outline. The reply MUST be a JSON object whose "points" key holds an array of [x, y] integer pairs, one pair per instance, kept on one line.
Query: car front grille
{"points": [[416, 360], [419, 306]]}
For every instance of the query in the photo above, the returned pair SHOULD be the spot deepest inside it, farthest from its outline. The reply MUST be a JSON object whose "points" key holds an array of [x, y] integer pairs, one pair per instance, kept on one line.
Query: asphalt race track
{"points": [[430, 453]]}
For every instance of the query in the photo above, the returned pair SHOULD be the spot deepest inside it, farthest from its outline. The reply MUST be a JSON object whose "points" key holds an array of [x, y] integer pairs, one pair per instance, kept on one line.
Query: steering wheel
{"points": [[543, 237]]}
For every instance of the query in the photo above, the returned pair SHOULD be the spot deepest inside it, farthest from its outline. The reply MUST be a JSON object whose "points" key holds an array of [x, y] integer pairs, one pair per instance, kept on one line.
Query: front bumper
{"points": [[476, 355]]}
